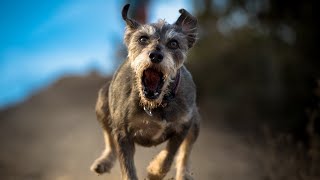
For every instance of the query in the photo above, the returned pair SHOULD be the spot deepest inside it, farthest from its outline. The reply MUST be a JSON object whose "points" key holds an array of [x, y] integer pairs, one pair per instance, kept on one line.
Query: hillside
{"points": [[54, 135]]}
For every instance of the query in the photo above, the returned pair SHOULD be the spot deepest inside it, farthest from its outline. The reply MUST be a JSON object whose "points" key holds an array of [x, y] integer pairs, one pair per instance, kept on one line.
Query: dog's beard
{"points": [[152, 80]]}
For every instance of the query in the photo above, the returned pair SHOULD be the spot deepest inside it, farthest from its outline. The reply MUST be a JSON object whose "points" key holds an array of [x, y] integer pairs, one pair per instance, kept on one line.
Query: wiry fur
{"points": [[159, 33], [120, 105]]}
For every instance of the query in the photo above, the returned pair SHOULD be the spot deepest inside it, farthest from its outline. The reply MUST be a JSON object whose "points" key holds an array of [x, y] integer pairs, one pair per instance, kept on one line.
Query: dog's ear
{"points": [[188, 24], [132, 25], [130, 22]]}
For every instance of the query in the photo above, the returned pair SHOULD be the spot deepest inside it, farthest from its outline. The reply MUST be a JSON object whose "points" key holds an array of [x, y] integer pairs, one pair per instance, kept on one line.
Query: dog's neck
{"points": [[173, 89]]}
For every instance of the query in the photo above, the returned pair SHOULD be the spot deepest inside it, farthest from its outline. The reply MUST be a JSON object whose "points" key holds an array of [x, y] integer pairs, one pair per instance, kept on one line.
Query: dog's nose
{"points": [[156, 57]]}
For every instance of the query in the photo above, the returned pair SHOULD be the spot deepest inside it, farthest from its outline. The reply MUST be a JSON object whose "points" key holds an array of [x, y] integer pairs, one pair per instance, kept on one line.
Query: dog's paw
{"points": [[156, 171], [103, 165]]}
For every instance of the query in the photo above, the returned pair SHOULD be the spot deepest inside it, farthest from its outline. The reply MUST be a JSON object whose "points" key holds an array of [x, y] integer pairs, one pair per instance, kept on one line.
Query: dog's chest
{"points": [[148, 131]]}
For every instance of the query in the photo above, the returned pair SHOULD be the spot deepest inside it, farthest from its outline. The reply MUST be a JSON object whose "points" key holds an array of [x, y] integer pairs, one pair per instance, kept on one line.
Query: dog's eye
{"points": [[143, 39], [173, 44]]}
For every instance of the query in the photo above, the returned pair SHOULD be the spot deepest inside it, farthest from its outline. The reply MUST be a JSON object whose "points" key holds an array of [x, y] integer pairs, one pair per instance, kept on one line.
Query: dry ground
{"points": [[54, 135]]}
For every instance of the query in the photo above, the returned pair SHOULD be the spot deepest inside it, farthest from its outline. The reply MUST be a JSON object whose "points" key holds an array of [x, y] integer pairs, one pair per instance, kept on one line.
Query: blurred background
{"points": [[256, 65]]}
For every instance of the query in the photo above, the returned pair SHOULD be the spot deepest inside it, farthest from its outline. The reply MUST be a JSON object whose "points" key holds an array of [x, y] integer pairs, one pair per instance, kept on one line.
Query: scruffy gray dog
{"points": [[151, 99]]}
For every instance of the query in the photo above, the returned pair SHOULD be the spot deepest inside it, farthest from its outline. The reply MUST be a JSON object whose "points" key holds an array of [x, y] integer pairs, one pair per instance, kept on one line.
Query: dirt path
{"points": [[55, 136]]}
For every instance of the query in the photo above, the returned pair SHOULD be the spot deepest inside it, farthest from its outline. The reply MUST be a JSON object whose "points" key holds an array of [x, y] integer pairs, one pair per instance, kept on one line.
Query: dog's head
{"points": [[156, 52]]}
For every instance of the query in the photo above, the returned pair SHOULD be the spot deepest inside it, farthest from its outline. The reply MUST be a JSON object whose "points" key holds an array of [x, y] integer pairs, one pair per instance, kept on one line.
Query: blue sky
{"points": [[41, 41]]}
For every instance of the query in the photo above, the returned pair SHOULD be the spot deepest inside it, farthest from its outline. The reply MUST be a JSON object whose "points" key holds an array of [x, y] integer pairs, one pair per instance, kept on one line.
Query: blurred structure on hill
{"points": [[138, 11]]}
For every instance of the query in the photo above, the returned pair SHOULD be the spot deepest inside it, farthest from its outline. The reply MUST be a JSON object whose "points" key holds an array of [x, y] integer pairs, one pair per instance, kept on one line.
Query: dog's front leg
{"points": [[125, 151], [161, 164]]}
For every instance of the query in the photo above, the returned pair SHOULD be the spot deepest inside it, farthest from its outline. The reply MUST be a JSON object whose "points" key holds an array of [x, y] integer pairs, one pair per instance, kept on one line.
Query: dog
{"points": [[151, 99]]}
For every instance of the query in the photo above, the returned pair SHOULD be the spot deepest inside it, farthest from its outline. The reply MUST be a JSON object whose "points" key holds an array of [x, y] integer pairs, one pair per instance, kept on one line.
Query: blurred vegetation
{"points": [[284, 158], [257, 65], [256, 62]]}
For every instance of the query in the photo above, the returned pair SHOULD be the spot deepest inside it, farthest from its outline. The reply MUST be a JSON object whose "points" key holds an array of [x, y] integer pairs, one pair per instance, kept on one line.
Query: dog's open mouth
{"points": [[152, 82]]}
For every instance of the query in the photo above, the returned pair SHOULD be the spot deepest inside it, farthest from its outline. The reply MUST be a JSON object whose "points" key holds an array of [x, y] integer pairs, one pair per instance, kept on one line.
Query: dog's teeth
{"points": [[156, 93]]}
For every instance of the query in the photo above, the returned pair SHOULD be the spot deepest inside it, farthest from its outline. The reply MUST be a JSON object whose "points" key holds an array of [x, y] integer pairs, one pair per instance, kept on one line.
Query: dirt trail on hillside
{"points": [[54, 136]]}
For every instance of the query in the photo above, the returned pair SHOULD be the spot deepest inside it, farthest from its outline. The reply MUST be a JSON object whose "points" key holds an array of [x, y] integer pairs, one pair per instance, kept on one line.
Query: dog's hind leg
{"points": [[182, 161], [106, 160]]}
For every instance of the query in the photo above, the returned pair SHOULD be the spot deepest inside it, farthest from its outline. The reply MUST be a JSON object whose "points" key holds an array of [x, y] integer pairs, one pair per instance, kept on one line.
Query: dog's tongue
{"points": [[152, 79]]}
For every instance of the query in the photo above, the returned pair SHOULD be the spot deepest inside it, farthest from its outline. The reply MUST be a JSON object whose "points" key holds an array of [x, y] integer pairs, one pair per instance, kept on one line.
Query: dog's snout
{"points": [[156, 56]]}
